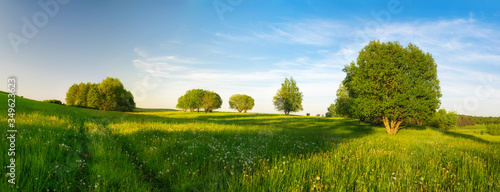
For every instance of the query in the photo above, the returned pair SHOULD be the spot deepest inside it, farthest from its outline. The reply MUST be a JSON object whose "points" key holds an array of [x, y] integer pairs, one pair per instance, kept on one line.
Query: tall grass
{"points": [[72, 149]]}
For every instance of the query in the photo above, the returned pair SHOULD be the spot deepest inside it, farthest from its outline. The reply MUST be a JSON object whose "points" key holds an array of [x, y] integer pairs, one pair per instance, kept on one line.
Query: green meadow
{"points": [[61, 148]]}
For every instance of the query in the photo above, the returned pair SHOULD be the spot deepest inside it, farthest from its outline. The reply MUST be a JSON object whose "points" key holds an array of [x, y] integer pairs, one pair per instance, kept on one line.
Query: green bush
{"points": [[109, 95], [493, 129], [444, 120], [55, 101]]}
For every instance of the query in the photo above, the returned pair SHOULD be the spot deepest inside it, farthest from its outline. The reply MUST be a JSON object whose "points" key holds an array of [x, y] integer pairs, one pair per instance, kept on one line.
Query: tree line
{"points": [[287, 99], [196, 99], [109, 95]]}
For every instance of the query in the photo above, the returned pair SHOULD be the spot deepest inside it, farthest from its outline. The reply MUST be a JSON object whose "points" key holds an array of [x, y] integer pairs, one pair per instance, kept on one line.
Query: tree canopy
{"points": [[195, 99], [342, 103], [288, 98], [394, 83], [241, 102], [109, 95]]}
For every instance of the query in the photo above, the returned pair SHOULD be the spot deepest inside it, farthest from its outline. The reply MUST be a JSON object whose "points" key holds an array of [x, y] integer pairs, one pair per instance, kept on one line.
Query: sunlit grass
{"points": [[71, 149]]}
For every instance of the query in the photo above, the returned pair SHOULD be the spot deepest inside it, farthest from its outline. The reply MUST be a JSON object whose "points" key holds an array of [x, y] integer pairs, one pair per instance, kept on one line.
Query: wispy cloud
{"points": [[322, 48]]}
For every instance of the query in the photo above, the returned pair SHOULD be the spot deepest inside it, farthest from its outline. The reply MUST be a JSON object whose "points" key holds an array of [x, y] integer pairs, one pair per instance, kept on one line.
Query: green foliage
{"points": [[241, 102], [465, 121], [493, 129], [55, 101], [94, 97], [182, 103], [195, 99], [331, 111], [81, 97], [355, 107], [211, 101], [71, 95], [74, 149], [444, 120], [393, 83], [288, 98], [109, 95], [342, 103]]}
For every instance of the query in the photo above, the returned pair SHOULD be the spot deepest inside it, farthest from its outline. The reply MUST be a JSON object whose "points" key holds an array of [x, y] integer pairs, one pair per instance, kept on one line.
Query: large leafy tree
{"points": [[393, 83], [288, 98], [241, 102], [211, 101]]}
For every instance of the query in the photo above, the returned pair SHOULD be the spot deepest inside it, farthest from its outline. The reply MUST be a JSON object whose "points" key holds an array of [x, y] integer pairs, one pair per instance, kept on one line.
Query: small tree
{"points": [[194, 99], [241, 102], [94, 97], [181, 103], [81, 97], [342, 102], [331, 110], [288, 98], [211, 101], [71, 95]]}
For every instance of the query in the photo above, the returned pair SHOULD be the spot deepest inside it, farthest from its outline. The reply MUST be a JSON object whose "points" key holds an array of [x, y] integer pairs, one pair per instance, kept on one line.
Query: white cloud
{"points": [[465, 50]]}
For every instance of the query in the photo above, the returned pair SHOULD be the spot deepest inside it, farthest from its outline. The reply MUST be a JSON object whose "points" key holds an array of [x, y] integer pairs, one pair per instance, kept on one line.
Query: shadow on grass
{"points": [[276, 129], [465, 136], [153, 110]]}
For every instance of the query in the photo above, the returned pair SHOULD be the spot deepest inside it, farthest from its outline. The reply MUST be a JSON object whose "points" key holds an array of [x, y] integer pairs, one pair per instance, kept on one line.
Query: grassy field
{"points": [[62, 148]]}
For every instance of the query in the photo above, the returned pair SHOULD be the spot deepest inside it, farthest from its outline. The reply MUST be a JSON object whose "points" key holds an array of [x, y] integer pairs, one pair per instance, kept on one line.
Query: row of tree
{"points": [[389, 84], [472, 120], [109, 95], [196, 99]]}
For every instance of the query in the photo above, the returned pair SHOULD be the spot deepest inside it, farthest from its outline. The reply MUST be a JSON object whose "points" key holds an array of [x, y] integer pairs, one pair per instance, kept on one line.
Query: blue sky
{"points": [[160, 49]]}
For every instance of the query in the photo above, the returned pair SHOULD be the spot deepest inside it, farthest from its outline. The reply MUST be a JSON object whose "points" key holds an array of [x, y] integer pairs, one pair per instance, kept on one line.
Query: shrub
{"points": [[308, 114], [444, 120], [493, 129], [328, 114], [55, 101]]}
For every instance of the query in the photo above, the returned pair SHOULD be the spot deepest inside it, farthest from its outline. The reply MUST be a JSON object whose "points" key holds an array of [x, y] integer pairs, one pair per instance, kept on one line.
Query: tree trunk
{"points": [[391, 126], [362, 120]]}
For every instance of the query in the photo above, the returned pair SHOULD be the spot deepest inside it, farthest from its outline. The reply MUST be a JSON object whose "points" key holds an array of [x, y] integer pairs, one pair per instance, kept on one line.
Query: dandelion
{"points": [[318, 178]]}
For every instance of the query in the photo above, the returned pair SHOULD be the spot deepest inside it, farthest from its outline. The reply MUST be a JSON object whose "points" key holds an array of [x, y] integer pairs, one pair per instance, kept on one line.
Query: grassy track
{"points": [[62, 148]]}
